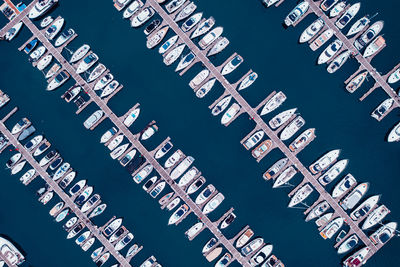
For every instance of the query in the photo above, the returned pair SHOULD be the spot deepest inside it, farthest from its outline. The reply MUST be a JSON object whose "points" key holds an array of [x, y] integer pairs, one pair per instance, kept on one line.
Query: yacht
{"points": [[205, 194], [203, 28], [292, 128], [98, 210], [79, 53], [328, 4], [174, 5], [56, 163], [302, 140], [254, 139], [191, 22], [321, 39], [59, 80], [374, 46], [108, 135], [142, 17], [88, 244], [13, 160], [330, 51], [213, 203], [76, 230], [71, 93], [42, 148], [77, 187], [209, 38], [173, 204], [92, 201], [61, 171], [221, 105], [54, 29], [188, 177], [41, 7], [365, 207], [10, 252], [124, 242], [351, 200], [82, 238], [384, 233], [27, 176], [67, 180], [223, 261], [249, 80], [49, 157], [132, 9], [312, 30], [356, 82], [368, 35], [324, 219], [343, 186], [300, 195], [37, 53], [332, 228], [181, 167], [178, 214], [261, 255], [252, 246], [333, 172], [199, 78], [53, 70], [318, 210], [281, 118], [143, 173], [244, 238], [128, 157], [357, 259], [109, 89], [47, 197], [156, 38], [173, 159], [358, 26], [348, 244], [116, 153], [149, 131], [185, 12], [62, 215], [285, 177], [375, 217], [209, 245], [112, 227], [93, 119], [96, 253], [394, 134], [394, 77], [324, 162], [296, 13], [132, 250], [71, 222], [228, 220], [11, 33], [196, 185], [30, 46], [275, 168], [232, 65], [185, 61], [205, 88], [174, 54], [230, 114], [194, 230], [103, 259], [168, 44], [121, 4], [4, 99], [96, 72], [149, 183], [163, 150], [18, 167], [117, 234], [44, 62], [103, 82], [262, 149], [382, 108], [348, 15], [152, 26], [87, 62], [64, 37], [132, 117], [337, 9], [46, 21], [157, 189], [21, 125], [219, 45]]}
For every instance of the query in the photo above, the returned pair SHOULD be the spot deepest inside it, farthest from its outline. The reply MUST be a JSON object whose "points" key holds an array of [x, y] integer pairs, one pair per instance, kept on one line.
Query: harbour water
{"points": [[256, 34]]}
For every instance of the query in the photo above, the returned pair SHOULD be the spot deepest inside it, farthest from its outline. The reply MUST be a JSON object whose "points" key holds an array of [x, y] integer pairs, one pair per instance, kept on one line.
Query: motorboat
{"points": [[93, 119], [333, 172], [301, 141], [209, 245], [151, 261], [382, 108], [132, 250], [121, 4], [254, 139], [30, 46], [116, 153], [343, 186], [77, 187], [269, 3], [324, 219], [213, 254], [11, 33], [356, 82], [163, 150], [70, 223], [157, 189], [62, 215], [13, 160], [156, 38], [331, 228], [228, 220], [296, 13], [96, 73], [142, 17], [54, 29], [64, 37], [368, 35], [57, 81], [394, 77], [231, 112], [53, 70], [328, 4], [210, 37], [384, 233], [61, 171], [148, 132], [285, 177], [181, 167], [185, 61], [358, 26], [174, 5], [205, 88], [219, 45], [41, 8], [112, 227], [262, 149], [205, 194], [103, 258], [199, 182], [42, 148], [322, 39], [115, 142], [188, 177], [132, 117], [87, 62], [26, 133], [348, 244], [248, 80], [152, 26], [82, 238], [394, 134], [46, 21], [324, 162], [318, 210], [4, 99], [223, 261], [330, 51], [49, 157], [337, 9], [103, 82], [311, 30], [71, 93], [281, 118], [203, 28], [168, 44], [67, 180], [252, 246], [96, 253], [178, 214], [47, 197], [132, 9], [79, 53], [191, 22], [300, 195], [275, 169], [375, 217], [44, 62], [173, 204], [374, 46], [117, 234], [109, 89], [185, 12], [18, 167], [37, 53], [173, 55], [194, 230], [108, 135], [56, 163], [232, 65], [143, 173], [124, 242], [149, 183], [88, 244], [98, 210], [273, 103], [199, 78], [92, 201], [351, 200], [128, 157], [244, 238], [261, 255], [292, 128], [221, 105], [350, 13], [365, 207], [27, 176]]}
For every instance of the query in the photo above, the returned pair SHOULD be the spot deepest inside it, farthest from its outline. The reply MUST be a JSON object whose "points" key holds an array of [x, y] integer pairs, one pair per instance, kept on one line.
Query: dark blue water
{"points": [[256, 34]]}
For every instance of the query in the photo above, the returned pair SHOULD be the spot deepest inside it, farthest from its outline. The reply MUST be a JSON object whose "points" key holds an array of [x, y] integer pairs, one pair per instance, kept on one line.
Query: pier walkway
{"points": [[262, 125]]}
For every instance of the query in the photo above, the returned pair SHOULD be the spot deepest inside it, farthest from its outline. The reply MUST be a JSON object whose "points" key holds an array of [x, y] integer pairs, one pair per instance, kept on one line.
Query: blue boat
{"points": [[30, 46]]}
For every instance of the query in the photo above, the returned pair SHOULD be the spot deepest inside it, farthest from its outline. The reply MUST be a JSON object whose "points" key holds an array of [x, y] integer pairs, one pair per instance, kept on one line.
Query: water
{"points": [[257, 35]]}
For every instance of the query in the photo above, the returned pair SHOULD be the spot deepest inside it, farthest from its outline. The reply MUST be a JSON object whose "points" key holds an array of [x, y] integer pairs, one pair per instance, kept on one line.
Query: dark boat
{"points": [[152, 26], [27, 132], [30, 46], [56, 163], [135, 164]]}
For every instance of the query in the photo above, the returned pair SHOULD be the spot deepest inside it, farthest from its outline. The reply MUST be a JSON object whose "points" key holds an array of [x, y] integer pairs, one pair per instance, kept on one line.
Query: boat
{"points": [[132, 250], [228, 220], [213, 203], [117, 234], [96, 253], [196, 185], [254, 139], [219, 45], [269, 3], [358, 26], [152, 26], [27, 176], [281, 118], [185, 12], [191, 22], [384, 233], [132, 9], [292, 128], [71, 222], [96, 72], [116, 153], [148, 132], [143, 173], [188, 177], [181, 167], [26, 132], [332, 228], [44, 62], [174, 54], [46, 21], [375, 217], [41, 8], [47, 197], [103, 82], [163, 150], [209, 245], [56, 163], [275, 168], [221, 105], [394, 134], [210, 37], [157, 189], [248, 80], [109, 89], [330, 51], [151, 261], [199, 78], [59, 80], [356, 82], [214, 254], [394, 77], [382, 108], [121, 4], [350, 13], [115, 142], [71, 93], [18, 167], [324, 162], [124, 242], [357, 259], [185, 61], [318, 210], [368, 35], [311, 30], [252, 246], [64, 37], [273, 103], [324, 219], [263, 148], [337, 9], [142, 17], [103, 258], [173, 204], [98, 210], [79, 53], [343, 186], [88, 244], [348, 244], [92, 201], [49, 157], [87, 62], [30, 46], [223, 261], [37, 53], [82, 238], [205, 194], [54, 29], [296, 13], [10, 252], [108, 135], [328, 4], [351, 200], [194, 230], [333, 172], [77, 187], [374, 46], [13, 160], [112, 227], [232, 65], [261, 255], [67, 180], [61, 171], [231, 112], [365, 207], [300, 195], [168, 44], [42, 148], [205, 88], [53, 70], [244, 238], [93, 119], [183, 209], [128, 157], [174, 5], [11, 33], [285, 177], [62, 215], [4, 99], [302, 140], [321, 39], [149, 183], [156, 38], [203, 28]]}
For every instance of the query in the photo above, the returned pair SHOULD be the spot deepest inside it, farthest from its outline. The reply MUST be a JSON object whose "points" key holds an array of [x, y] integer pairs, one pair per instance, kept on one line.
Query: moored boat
{"points": [[244, 238], [356, 82], [281, 118], [357, 259], [364, 207], [348, 244], [329, 230], [351, 200], [285, 177], [368, 35], [311, 30], [219, 45], [382, 108], [230, 114], [275, 168], [210, 37], [213, 203], [143, 173], [375, 217], [350, 13], [302, 140], [300, 195], [232, 65], [324, 162], [178, 214], [343, 186], [273, 103], [374, 46], [292, 128], [203, 27], [333, 172], [394, 134], [221, 105], [185, 12], [79, 53], [321, 39], [296, 13], [93, 119]]}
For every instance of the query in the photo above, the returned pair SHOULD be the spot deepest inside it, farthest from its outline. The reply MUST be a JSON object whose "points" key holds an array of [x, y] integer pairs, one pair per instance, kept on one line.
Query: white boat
{"points": [[332, 228], [142, 17], [311, 30], [107, 135], [82, 238], [93, 119], [384, 233], [96, 72], [374, 46], [261, 255], [324, 219], [296, 13], [188, 177], [375, 217], [358, 26], [196, 185], [112, 227], [382, 108], [71, 93], [364, 207], [64, 37], [185, 61], [252, 246], [324, 162], [357, 259], [96, 253], [121, 4], [269, 3], [128, 157], [275, 168], [163, 150], [13, 160], [61, 171], [67, 180], [149, 132], [321, 39], [356, 82], [348, 244], [348, 16], [205, 194], [209, 245], [328, 4], [192, 232], [191, 22], [98, 210], [88, 244], [263, 148], [333, 172], [210, 37], [173, 159], [249, 80], [143, 173], [173, 55], [232, 65], [285, 177], [157, 189], [302, 139], [368, 35], [244, 238], [106, 79], [132, 250], [351, 200], [41, 7], [343, 186], [300, 195], [223, 261], [156, 38], [132, 9], [185, 12], [337, 9], [124, 242], [49, 157], [178, 214], [21, 125], [149, 183], [199, 78], [59, 80], [42, 148], [203, 28], [213, 203], [117, 234], [37, 53], [87, 62], [330, 51], [116, 153], [46, 21], [53, 70], [318, 210], [254, 139], [11, 33], [292, 128], [181, 167], [27, 176], [132, 117], [109, 89], [173, 204], [219, 45], [228, 220], [394, 134], [47, 197], [230, 114], [54, 29], [79, 53], [44, 62], [221, 105], [281, 118], [18, 167], [168, 44], [92, 202], [10, 253], [205, 88], [174, 5]]}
